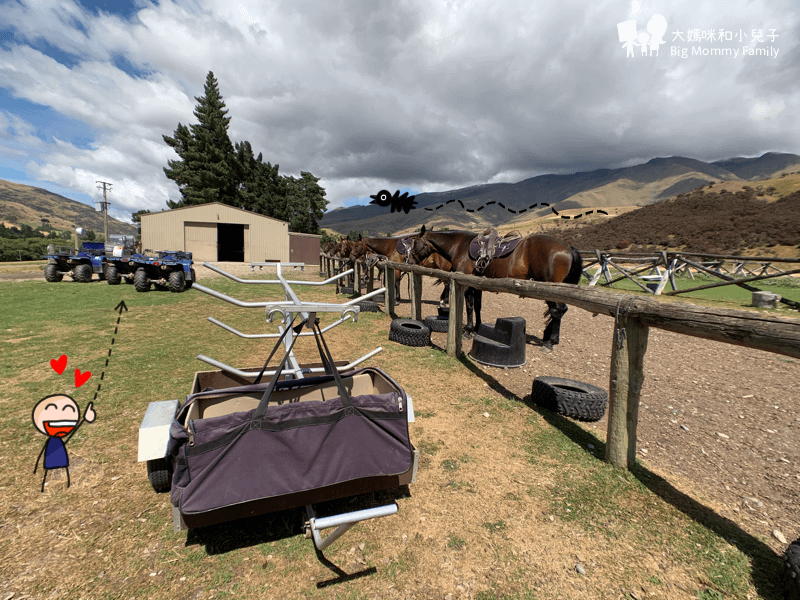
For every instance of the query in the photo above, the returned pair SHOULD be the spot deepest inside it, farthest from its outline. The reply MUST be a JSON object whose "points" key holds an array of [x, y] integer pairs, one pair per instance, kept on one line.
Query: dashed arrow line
{"points": [[121, 306]]}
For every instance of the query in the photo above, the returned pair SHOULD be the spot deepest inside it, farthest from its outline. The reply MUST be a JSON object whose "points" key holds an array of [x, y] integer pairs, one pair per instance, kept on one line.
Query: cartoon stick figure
{"points": [[58, 417]]}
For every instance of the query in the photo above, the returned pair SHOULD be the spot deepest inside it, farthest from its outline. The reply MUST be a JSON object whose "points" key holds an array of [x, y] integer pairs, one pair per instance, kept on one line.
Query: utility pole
{"points": [[105, 208]]}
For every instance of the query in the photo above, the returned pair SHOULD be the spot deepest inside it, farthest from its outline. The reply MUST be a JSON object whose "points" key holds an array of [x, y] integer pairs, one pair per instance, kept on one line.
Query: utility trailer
{"points": [[79, 264], [154, 432]]}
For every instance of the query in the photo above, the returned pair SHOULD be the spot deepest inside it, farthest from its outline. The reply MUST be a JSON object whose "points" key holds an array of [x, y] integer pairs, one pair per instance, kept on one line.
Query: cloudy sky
{"points": [[420, 95]]}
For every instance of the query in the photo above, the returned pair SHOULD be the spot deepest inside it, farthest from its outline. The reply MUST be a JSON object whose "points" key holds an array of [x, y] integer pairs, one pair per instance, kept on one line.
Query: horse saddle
{"points": [[404, 246], [489, 245]]}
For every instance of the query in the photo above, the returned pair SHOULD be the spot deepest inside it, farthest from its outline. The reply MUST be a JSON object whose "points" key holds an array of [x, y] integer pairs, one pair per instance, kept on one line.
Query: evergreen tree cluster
{"points": [[212, 169]]}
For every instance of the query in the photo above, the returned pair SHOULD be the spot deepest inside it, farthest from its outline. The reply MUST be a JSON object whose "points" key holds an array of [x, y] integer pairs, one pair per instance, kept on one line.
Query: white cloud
{"points": [[367, 94]]}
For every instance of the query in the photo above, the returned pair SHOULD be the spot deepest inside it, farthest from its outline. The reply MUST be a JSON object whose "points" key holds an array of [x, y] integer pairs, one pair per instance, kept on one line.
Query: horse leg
{"points": [[554, 313], [469, 301], [478, 301], [398, 275]]}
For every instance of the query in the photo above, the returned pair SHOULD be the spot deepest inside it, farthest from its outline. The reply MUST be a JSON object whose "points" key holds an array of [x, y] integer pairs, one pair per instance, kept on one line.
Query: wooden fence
{"points": [[732, 270], [633, 316]]}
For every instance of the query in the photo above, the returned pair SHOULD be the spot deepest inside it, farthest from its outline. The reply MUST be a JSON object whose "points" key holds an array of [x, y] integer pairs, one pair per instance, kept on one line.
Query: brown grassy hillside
{"points": [[700, 221]]}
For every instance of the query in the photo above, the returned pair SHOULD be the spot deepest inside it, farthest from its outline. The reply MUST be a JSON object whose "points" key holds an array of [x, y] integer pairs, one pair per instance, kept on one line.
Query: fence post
{"points": [[416, 296], [455, 319], [624, 390], [370, 279], [388, 279]]}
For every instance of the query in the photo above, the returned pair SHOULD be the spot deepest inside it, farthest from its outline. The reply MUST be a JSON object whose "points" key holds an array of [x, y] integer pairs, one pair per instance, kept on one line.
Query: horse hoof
{"points": [[547, 348]]}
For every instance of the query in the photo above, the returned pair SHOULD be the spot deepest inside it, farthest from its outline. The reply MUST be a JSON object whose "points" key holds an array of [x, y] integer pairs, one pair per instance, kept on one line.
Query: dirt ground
{"points": [[717, 421]]}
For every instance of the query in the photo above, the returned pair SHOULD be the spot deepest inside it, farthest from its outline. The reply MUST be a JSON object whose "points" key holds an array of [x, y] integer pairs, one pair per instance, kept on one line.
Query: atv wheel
{"points": [[112, 275], [159, 474], [140, 280], [176, 282], [570, 398], [409, 332], [82, 273], [52, 274]]}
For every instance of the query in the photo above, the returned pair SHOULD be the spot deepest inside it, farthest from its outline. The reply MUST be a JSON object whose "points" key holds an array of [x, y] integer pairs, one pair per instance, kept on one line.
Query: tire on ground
{"points": [[140, 280], [437, 324], [409, 332], [348, 290], [570, 398], [791, 573], [159, 474], [82, 273], [176, 281], [369, 306], [112, 275], [52, 274]]}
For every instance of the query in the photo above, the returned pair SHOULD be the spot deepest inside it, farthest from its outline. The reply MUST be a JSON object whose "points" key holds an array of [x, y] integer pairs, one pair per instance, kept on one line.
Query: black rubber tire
{"points": [[159, 474], [140, 280], [177, 282], [82, 273], [437, 324], [409, 332], [570, 398], [189, 284], [112, 275], [348, 290], [52, 274], [791, 574], [369, 306]]}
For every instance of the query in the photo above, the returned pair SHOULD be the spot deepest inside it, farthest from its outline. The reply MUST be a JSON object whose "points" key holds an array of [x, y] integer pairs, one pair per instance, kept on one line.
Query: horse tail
{"points": [[576, 270]]}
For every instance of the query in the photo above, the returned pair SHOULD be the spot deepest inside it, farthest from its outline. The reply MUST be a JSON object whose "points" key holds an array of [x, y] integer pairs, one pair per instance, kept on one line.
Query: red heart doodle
{"points": [[60, 364], [81, 378]]}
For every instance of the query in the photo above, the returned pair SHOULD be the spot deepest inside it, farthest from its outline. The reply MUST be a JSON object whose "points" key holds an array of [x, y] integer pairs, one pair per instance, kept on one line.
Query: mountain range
{"points": [[497, 204]]}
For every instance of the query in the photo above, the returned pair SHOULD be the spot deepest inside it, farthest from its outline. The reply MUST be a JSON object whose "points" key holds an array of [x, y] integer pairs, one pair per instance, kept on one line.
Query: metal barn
{"points": [[216, 232]]}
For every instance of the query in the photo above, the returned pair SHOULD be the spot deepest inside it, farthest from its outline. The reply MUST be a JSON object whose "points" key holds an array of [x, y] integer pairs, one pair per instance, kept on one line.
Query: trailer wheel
{"points": [[52, 274], [82, 273], [570, 398], [140, 280], [409, 332], [112, 275], [190, 283], [176, 281], [159, 474]]}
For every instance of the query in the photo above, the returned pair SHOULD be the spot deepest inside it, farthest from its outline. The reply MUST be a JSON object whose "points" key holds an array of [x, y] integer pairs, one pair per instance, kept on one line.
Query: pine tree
{"points": [[305, 203], [260, 188], [205, 173]]}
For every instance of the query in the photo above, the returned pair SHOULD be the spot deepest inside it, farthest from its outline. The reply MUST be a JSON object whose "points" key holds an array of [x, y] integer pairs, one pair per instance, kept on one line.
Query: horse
{"points": [[395, 252], [536, 257]]}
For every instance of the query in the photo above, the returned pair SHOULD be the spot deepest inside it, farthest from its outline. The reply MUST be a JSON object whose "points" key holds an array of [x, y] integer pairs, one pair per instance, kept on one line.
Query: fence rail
{"points": [[633, 316]]}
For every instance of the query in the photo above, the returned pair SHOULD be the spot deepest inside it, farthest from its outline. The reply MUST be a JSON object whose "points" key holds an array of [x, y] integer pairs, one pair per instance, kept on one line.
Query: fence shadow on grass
{"points": [[766, 567]]}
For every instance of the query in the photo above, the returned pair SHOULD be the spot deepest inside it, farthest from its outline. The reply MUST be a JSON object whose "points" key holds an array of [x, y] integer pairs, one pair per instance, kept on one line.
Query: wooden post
{"points": [[416, 296], [624, 390], [371, 279], [328, 267], [455, 320], [388, 279]]}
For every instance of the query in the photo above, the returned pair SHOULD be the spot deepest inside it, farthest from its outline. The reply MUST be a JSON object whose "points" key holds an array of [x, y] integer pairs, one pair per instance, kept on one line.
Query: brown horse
{"points": [[536, 257], [388, 247]]}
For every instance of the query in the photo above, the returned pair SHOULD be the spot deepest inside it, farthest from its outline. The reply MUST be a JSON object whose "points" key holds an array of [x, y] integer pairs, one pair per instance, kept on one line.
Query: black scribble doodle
{"points": [[397, 202], [407, 203]]}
